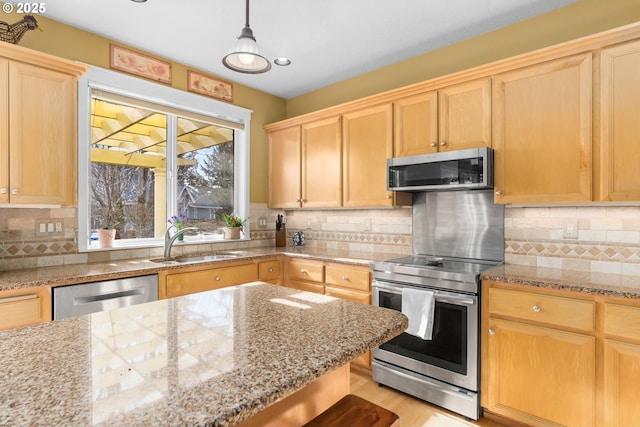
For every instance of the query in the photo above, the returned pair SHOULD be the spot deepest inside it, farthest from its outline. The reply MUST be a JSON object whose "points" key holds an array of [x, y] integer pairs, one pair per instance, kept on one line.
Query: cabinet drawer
{"points": [[305, 270], [559, 311], [622, 321], [206, 280], [348, 277], [20, 310], [269, 270], [362, 297]]}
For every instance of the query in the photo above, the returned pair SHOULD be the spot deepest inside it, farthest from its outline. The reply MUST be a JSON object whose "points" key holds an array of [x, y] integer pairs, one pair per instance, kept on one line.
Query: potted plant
{"points": [[234, 225], [107, 234], [179, 222]]}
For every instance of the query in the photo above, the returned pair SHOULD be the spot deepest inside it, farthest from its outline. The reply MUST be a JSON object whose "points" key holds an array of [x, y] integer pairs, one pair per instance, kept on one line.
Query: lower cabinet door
{"points": [[621, 381], [541, 376]]}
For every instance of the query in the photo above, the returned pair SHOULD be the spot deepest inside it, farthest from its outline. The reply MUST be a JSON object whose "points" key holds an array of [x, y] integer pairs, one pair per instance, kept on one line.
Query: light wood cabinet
{"points": [[352, 283], [285, 172], [367, 144], [621, 364], [199, 279], [38, 115], [303, 274], [23, 307], [270, 271], [539, 357], [305, 165], [542, 132], [619, 125], [455, 117]]}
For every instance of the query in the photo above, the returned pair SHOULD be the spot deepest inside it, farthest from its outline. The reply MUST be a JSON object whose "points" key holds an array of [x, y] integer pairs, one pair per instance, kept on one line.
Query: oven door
{"points": [[452, 353]]}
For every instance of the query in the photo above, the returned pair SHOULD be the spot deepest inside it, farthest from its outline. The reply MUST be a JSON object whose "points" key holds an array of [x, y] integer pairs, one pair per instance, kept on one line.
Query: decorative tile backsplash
{"points": [[607, 239]]}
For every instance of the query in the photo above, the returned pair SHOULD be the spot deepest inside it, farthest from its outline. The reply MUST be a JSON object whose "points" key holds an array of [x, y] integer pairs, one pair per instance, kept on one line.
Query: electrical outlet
{"points": [[309, 223], [570, 229], [367, 224], [262, 222], [58, 227]]}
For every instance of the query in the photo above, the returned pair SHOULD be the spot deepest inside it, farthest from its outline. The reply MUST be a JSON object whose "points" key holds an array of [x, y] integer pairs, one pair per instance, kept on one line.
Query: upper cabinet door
{"points": [[542, 132], [367, 143], [4, 131], [284, 168], [42, 135], [620, 123], [464, 115], [322, 163], [416, 124]]}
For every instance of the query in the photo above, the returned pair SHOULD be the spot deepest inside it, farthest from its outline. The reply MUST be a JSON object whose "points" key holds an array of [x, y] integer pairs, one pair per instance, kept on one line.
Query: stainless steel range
{"points": [[457, 235]]}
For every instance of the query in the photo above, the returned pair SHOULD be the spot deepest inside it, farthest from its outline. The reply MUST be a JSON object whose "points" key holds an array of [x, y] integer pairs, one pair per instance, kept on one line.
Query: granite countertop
{"points": [[93, 272], [577, 281], [213, 358]]}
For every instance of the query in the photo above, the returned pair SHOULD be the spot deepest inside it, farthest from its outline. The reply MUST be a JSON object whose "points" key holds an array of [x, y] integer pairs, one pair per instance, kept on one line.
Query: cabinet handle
{"points": [[345, 278], [536, 308], [15, 191], [298, 200], [491, 331], [443, 143], [217, 278], [303, 271], [303, 200], [270, 269], [433, 144], [3, 190], [498, 193], [388, 196]]}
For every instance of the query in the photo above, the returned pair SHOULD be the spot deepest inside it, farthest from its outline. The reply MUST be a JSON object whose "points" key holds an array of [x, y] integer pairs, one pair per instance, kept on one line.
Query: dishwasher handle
{"points": [[108, 296]]}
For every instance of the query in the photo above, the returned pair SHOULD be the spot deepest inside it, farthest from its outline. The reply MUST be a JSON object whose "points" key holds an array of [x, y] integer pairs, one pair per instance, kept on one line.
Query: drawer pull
{"points": [[217, 278], [345, 278], [491, 331], [303, 271], [536, 308], [270, 269]]}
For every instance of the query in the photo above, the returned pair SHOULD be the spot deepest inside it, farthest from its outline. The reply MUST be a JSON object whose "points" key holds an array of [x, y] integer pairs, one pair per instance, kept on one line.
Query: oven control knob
{"points": [[536, 308], [491, 331]]}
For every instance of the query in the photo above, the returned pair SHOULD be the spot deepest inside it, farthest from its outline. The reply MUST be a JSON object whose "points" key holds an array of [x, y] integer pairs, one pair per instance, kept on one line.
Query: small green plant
{"points": [[179, 222], [233, 220]]}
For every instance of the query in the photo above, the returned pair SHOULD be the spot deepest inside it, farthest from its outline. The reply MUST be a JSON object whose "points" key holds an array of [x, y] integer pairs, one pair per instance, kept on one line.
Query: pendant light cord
{"points": [[247, 23]]}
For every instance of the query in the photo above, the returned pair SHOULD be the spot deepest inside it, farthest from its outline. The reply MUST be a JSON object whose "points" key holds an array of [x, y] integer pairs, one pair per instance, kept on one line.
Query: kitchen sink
{"points": [[194, 259]]}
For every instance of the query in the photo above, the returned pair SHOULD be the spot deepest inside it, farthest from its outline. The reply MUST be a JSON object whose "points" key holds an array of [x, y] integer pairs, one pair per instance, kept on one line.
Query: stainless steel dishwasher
{"points": [[85, 298]]}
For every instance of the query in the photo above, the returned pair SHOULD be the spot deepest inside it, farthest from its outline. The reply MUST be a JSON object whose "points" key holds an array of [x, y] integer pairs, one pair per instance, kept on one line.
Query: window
{"points": [[143, 158]]}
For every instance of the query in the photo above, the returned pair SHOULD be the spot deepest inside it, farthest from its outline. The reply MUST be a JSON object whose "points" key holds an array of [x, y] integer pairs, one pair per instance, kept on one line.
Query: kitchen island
{"points": [[214, 358]]}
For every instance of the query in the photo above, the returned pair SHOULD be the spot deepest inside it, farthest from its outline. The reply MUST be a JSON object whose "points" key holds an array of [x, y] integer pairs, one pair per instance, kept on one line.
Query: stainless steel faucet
{"points": [[169, 239]]}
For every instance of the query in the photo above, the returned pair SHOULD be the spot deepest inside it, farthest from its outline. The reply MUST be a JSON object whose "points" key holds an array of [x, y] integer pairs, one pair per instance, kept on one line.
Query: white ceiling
{"points": [[327, 40]]}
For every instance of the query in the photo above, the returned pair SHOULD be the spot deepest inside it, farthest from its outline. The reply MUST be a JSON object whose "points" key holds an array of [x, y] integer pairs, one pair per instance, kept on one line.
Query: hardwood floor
{"points": [[413, 412]]}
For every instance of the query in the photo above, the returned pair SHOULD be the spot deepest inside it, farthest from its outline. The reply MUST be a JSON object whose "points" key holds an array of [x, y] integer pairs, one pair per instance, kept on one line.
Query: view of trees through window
{"points": [[129, 185]]}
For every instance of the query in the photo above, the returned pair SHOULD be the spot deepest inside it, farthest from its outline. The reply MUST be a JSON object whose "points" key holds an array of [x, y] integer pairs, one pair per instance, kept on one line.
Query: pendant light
{"points": [[245, 57]]}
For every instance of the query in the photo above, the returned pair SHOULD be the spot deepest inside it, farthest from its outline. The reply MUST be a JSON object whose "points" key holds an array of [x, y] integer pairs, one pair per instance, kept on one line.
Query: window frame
{"points": [[164, 96]]}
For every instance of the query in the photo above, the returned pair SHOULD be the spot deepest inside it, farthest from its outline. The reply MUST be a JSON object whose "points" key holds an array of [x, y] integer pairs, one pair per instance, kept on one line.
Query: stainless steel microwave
{"points": [[447, 170]]}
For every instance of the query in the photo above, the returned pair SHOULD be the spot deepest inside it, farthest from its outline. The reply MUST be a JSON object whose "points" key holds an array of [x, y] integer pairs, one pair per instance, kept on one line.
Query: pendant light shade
{"points": [[245, 57]]}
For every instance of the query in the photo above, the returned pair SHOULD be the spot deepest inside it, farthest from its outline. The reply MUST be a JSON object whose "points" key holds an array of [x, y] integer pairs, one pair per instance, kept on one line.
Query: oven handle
{"points": [[438, 297]]}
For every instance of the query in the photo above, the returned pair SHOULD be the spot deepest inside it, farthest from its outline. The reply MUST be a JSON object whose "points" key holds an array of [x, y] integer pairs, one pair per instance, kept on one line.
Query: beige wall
{"points": [[68, 42], [576, 20]]}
